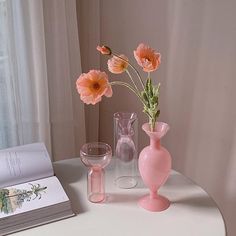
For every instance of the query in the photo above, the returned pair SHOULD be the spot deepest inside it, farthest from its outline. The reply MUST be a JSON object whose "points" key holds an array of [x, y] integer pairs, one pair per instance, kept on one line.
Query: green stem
{"points": [[140, 79], [129, 87], [132, 80], [152, 123]]}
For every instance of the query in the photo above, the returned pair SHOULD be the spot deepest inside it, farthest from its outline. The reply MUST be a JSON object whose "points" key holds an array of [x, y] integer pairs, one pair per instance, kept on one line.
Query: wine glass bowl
{"points": [[96, 154]]}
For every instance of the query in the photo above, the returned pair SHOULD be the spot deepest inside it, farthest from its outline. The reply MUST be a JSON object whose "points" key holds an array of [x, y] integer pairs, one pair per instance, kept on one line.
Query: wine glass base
{"points": [[159, 203], [96, 197]]}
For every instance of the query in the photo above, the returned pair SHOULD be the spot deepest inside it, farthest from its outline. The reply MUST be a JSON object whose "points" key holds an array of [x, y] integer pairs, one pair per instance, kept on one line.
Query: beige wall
{"points": [[197, 40]]}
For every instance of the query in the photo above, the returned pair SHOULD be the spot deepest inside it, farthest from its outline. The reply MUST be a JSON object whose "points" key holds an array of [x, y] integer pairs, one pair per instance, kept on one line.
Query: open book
{"points": [[30, 194]]}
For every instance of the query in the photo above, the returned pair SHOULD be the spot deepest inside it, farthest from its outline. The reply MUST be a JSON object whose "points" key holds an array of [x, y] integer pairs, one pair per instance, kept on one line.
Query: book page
{"points": [[23, 164], [30, 196]]}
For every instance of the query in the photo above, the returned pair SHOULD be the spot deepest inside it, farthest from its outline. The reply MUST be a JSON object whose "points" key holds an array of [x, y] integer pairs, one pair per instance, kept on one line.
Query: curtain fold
{"points": [[64, 66], [88, 15], [42, 61]]}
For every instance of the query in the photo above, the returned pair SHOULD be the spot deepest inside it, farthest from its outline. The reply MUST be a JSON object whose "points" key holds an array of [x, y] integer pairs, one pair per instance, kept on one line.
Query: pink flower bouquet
{"points": [[93, 85]]}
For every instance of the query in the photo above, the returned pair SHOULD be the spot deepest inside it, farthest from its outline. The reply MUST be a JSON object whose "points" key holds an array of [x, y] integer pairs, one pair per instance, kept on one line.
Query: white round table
{"points": [[192, 211]]}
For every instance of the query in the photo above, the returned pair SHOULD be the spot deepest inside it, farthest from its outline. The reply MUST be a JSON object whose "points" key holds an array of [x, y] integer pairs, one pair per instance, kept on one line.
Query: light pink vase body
{"points": [[154, 167]]}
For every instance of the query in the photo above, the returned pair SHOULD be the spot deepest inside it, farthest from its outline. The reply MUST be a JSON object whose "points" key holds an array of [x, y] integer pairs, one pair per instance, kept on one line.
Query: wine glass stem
{"points": [[153, 194], [96, 189]]}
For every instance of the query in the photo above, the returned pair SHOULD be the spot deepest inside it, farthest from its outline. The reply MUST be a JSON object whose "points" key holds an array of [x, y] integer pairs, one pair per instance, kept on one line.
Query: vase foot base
{"points": [[159, 203], [126, 182]]}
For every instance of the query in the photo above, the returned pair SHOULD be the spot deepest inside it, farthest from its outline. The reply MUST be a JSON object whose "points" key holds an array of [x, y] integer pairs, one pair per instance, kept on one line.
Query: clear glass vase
{"points": [[125, 149]]}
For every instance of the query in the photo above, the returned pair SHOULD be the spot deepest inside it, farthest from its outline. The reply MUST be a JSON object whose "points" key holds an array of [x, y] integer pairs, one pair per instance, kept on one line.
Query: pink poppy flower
{"points": [[117, 65], [92, 86], [147, 57], [104, 50]]}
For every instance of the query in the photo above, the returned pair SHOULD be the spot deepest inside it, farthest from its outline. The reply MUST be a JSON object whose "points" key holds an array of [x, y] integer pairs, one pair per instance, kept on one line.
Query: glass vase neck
{"points": [[155, 143], [160, 130], [125, 122]]}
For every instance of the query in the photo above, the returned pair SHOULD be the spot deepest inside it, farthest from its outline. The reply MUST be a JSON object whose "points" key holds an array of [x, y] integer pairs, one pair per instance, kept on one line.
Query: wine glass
{"points": [[96, 156]]}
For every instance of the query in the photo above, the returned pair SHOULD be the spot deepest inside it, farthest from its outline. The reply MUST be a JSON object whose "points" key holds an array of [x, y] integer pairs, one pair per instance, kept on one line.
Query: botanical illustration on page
{"points": [[11, 199]]}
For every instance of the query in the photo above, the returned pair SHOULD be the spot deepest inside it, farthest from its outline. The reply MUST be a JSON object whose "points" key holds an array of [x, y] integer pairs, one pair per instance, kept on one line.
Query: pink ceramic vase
{"points": [[154, 167]]}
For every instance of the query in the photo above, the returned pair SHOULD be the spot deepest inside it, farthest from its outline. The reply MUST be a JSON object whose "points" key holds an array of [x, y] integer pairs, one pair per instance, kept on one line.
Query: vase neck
{"points": [[155, 143]]}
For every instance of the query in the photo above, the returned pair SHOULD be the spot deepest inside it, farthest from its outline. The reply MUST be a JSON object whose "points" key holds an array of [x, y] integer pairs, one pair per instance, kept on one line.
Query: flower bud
{"points": [[104, 50]]}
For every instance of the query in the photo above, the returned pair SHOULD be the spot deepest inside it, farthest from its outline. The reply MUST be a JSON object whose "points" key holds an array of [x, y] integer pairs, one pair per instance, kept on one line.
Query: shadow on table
{"points": [[201, 201], [69, 173], [122, 198], [174, 180], [179, 180], [75, 199]]}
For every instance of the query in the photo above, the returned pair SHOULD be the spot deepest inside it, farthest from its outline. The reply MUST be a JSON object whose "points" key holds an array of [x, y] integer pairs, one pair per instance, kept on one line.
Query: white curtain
{"points": [[39, 63]]}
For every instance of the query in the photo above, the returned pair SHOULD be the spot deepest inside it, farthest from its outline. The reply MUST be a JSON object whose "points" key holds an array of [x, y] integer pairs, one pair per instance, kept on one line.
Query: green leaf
{"points": [[144, 96], [147, 85], [157, 114]]}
